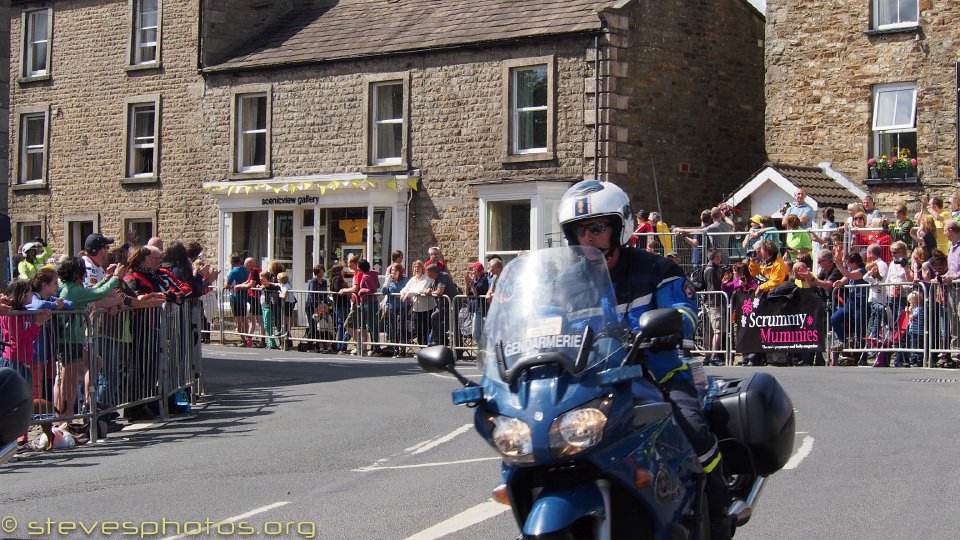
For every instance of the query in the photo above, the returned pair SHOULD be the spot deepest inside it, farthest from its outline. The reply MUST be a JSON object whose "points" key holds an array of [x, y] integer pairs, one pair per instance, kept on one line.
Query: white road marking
{"points": [[253, 512], [429, 445], [467, 518], [805, 448], [376, 467]]}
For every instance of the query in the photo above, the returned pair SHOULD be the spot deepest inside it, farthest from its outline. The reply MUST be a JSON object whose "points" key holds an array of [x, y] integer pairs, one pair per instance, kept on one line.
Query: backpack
{"points": [[697, 279]]}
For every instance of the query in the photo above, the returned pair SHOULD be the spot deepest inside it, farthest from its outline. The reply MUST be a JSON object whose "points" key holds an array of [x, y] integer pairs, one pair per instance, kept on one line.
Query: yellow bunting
{"points": [[247, 189], [412, 183], [333, 184], [392, 184], [230, 190], [276, 190], [306, 185], [323, 190]]}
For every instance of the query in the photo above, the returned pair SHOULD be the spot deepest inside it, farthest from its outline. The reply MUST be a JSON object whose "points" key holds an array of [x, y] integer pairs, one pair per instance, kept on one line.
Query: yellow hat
{"points": [[758, 219]]}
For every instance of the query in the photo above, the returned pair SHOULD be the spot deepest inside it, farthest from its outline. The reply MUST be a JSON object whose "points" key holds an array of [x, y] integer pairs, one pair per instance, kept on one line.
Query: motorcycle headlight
{"points": [[511, 437], [579, 429]]}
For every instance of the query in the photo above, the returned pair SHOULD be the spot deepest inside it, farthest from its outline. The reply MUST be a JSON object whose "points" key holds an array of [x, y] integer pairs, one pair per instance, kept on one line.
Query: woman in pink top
{"points": [[21, 331]]}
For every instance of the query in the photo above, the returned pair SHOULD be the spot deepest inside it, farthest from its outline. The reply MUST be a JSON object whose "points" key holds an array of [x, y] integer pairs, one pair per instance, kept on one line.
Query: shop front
{"points": [[304, 221]]}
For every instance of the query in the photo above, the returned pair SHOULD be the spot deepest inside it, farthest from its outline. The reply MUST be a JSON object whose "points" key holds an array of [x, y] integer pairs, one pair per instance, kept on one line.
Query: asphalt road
{"points": [[306, 446]]}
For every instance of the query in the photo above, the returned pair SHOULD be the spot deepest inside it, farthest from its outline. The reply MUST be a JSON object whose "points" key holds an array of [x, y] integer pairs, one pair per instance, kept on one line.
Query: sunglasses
{"points": [[596, 228]]}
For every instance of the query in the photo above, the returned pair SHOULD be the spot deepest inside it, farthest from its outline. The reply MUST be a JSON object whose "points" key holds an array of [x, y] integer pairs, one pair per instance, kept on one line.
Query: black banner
{"points": [[795, 321]]}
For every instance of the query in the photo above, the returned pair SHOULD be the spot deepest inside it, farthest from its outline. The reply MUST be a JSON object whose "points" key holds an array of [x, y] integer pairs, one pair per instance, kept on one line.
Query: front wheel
{"points": [[582, 529]]}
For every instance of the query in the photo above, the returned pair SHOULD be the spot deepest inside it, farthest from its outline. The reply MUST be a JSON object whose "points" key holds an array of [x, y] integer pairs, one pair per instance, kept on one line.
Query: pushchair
{"points": [[895, 338]]}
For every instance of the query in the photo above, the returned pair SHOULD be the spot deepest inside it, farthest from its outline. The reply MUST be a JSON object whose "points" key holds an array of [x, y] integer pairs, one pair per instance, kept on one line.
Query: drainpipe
{"points": [[596, 105]]}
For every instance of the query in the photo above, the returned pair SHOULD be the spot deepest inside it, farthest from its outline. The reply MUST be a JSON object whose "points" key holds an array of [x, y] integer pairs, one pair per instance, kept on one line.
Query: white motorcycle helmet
{"points": [[592, 199]]}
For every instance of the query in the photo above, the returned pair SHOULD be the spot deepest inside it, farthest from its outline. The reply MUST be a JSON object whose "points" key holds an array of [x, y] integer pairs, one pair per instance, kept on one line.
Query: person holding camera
{"points": [[766, 266], [34, 255]]}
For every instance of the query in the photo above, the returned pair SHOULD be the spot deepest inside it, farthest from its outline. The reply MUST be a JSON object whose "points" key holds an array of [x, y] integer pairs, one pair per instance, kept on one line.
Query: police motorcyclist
{"points": [[598, 214]]}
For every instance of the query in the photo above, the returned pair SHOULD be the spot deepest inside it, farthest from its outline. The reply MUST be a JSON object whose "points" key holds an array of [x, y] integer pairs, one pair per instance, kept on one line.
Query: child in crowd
{"points": [[20, 332], [288, 305], [269, 305], [45, 288], [914, 331]]}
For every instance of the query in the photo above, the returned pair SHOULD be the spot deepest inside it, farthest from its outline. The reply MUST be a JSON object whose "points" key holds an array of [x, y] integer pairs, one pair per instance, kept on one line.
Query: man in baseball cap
{"points": [[94, 257], [477, 285], [95, 242]]}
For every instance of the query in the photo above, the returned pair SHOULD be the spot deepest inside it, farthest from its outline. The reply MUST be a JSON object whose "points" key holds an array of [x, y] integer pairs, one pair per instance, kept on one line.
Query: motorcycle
{"points": [[16, 410], [589, 444]]}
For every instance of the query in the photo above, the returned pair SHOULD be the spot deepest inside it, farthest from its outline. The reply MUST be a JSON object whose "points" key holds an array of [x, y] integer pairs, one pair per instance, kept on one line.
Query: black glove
{"points": [[40, 241], [666, 343]]}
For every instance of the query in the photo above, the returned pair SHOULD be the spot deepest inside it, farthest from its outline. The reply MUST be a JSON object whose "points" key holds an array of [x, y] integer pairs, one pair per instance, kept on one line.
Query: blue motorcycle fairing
{"points": [[557, 509]]}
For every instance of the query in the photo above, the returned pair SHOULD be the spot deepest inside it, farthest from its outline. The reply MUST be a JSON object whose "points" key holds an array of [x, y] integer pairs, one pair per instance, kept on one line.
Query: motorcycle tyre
{"points": [[582, 529]]}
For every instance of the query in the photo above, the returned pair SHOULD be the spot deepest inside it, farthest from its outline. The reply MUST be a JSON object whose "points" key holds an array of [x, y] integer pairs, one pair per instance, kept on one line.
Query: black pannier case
{"points": [[759, 413]]}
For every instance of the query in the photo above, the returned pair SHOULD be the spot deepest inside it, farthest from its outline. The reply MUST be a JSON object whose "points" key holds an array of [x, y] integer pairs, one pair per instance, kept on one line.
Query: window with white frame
{"points": [[251, 139], [528, 106], [894, 119], [519, 217], [889, 14], [33, 148], [508, 228], [28, 230], [146, 31], [386, 137], [36, 45], [142, 140]]}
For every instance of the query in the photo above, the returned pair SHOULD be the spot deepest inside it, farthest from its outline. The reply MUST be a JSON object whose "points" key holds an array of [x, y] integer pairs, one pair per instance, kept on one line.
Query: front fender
{"points": [[557, 509]]}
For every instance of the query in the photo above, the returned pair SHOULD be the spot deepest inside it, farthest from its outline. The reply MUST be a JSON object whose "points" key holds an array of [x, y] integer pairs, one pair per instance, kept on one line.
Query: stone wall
{"points": [[87, 150], [821, 67], [687, 77], [456, 101], [680, 85]]}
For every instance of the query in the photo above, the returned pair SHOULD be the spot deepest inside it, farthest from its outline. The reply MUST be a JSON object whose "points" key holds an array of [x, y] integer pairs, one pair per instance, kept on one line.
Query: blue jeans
{"points": [[340, 312]]}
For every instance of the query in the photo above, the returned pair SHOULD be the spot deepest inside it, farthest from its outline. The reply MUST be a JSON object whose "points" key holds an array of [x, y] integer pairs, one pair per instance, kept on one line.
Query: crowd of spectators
{"points": [[352, 305], [869, 270], [54, 355]]}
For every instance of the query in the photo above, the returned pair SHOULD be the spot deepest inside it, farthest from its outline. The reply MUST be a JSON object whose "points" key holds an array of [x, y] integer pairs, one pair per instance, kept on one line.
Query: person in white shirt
{"points": [[877, 295], [96, 248]]}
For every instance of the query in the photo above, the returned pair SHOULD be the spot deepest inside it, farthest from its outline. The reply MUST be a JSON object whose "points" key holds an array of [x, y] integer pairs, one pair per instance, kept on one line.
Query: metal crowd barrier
{"points": [[83, 366], [715, 329]]}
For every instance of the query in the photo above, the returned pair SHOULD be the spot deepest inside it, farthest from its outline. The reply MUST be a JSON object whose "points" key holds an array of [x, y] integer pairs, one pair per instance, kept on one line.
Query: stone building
{"points": [[327, 127], [847, 81]]}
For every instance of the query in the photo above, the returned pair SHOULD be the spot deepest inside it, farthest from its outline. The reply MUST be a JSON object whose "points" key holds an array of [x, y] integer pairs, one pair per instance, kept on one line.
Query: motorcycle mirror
{"points": [[439, 359], [659, 323], [436, 359]]}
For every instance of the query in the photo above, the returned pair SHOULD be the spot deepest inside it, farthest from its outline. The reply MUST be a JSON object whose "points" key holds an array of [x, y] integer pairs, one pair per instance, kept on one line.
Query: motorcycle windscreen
{"points": [[543, 302]]}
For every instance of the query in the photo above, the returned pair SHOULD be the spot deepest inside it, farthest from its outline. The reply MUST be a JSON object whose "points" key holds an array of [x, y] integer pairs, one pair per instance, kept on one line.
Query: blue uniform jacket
{"points": [[644, 281]]}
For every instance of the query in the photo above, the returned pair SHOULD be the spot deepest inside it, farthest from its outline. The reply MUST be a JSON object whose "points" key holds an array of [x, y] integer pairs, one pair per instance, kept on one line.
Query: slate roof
{"points": [[324, 30], [820, 186]]}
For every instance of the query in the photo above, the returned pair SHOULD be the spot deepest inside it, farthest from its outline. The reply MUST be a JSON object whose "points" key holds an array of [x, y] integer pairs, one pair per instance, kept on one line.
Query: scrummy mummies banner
{"points": [[781, 324]]}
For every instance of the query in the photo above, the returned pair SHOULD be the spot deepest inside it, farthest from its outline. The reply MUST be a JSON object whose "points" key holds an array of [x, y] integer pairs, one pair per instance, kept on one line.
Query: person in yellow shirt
{"points": [[767, 267], [34, 255], [665, 238], [935, 208]]}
